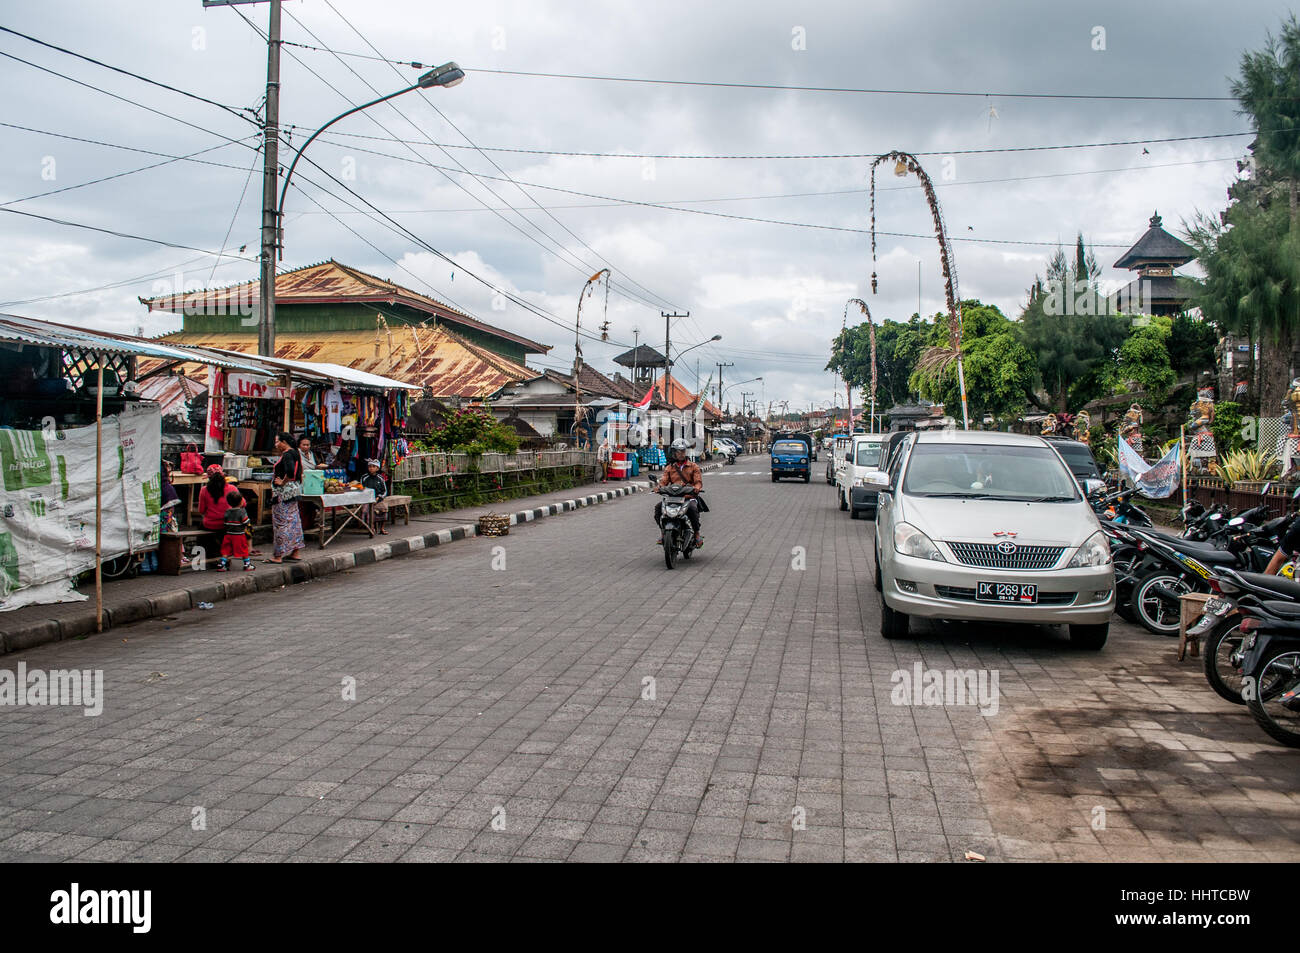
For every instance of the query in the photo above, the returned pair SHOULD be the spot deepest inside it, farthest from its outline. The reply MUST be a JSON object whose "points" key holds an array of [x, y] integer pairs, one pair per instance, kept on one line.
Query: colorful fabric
{"points": [[286, 527]]}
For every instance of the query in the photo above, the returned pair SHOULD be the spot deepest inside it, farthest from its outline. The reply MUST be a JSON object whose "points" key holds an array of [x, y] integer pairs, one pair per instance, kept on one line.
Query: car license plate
{"points": [[1025, 593]]}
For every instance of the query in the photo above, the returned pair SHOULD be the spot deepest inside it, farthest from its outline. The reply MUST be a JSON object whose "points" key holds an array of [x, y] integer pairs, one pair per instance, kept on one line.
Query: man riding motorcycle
{"points": [[682, 470]]}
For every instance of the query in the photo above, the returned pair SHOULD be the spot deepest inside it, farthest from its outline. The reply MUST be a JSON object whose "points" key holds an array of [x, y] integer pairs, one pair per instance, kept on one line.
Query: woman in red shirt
{"points": [[212, 500]]}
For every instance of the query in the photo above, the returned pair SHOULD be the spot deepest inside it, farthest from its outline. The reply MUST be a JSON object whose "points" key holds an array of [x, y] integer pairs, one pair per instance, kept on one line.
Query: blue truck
{"points": [[791, 456]]}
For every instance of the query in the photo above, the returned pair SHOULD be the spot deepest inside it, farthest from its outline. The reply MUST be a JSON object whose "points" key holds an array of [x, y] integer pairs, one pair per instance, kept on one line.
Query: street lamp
{"points": [[447, 75], [737, 384], [716, 337]]}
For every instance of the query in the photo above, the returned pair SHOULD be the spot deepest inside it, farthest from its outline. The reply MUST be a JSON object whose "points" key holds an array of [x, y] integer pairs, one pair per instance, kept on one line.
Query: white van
{"points": [[835, 460], [860, 479]]}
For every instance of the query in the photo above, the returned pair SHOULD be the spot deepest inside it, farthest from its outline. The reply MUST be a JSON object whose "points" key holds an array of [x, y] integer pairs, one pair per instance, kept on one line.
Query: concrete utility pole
{"points": [[720, 367], [270, 182], [668, 343]]}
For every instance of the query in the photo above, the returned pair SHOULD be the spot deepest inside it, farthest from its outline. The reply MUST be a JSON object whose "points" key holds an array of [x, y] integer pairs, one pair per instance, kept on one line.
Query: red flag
{"points": [[645, 401]]}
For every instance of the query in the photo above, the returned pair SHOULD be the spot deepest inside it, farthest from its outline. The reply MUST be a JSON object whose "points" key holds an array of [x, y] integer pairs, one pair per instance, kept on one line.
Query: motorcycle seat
{"points": [[1278, 584], [1278, 607]]}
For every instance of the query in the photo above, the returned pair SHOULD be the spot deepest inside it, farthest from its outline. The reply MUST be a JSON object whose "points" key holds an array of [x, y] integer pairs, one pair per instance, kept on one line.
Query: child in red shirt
{"points": [[235, 542]]}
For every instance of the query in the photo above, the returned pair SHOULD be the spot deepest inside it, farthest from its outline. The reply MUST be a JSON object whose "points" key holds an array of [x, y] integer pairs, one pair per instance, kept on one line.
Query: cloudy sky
{"points": [[776, 292]]}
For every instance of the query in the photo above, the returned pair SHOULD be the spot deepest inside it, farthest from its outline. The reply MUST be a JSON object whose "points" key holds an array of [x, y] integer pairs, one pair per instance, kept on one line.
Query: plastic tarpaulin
{"points": [[1157, 480], [47, 502]]}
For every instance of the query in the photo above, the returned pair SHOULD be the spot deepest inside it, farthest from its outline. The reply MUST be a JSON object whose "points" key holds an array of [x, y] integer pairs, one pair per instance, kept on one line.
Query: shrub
{"points": [[473, 432]]}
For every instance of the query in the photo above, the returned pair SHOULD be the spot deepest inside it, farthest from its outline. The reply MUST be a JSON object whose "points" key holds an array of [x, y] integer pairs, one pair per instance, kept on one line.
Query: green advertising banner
{"points": [[47, 504]]}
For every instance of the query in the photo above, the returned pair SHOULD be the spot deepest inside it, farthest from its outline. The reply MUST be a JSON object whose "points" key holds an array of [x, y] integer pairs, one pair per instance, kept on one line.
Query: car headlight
{"points": [[1094, 552], [910, 541]]}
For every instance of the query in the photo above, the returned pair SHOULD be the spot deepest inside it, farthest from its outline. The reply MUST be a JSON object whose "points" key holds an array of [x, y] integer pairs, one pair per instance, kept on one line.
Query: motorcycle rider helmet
{"points": [[680, 444]]}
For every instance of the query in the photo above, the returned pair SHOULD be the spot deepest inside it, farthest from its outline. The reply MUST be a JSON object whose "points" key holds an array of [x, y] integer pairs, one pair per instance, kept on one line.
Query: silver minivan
{"points": [[976, 525]]}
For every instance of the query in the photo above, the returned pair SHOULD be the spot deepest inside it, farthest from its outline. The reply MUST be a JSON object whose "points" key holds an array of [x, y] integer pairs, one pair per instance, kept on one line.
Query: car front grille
{"points": [[968, 595], [986, 556]]}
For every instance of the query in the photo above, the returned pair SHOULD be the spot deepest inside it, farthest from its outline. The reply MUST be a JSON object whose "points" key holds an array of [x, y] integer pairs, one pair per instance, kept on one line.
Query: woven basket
{"points": [[493, 525]]}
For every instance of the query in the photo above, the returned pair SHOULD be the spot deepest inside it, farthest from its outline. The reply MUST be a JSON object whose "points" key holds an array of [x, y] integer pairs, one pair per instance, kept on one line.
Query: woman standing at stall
{"points": [[307, 512], [286, 524], [212, 500]]}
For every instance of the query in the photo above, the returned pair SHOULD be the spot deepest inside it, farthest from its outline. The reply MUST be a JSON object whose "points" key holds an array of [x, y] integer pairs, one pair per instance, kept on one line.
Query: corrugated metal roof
{"points": [[47, 334], [328, 281], [433, 358], [172, 393]]}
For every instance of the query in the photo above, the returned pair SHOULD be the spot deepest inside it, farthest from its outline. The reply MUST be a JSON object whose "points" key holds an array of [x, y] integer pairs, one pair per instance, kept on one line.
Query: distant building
{"points": [[339, 314], [1155, 289]]}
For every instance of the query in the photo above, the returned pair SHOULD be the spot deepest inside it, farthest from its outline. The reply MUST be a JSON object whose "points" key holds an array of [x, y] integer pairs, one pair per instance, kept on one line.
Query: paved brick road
{"points": [[517, 695]]}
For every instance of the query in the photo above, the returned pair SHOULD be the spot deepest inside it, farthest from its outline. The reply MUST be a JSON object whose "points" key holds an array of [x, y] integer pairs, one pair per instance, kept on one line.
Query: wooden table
{"points": [[355, 506]]}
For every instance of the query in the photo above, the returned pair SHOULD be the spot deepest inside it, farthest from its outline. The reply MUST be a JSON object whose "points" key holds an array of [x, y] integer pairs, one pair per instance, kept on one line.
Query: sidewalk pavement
{"points": [[148, 596]]}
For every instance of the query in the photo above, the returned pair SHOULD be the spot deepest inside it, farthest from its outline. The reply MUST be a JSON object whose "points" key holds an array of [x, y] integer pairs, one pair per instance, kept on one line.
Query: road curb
{"points": [[171, 602]]}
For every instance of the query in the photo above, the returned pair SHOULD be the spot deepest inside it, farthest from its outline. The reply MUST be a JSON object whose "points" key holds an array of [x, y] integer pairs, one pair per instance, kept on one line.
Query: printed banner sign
{"points": [[47, 502], [1155, 481], [261, 388]]}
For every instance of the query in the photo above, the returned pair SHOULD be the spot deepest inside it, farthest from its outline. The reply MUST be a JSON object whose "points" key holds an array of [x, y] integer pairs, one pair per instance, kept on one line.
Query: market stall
{"points": [[80, 453]]}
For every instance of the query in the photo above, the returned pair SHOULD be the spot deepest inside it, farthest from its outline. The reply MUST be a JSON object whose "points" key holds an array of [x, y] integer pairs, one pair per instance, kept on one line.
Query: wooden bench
{"points": [[171, 549], [394, 502]]}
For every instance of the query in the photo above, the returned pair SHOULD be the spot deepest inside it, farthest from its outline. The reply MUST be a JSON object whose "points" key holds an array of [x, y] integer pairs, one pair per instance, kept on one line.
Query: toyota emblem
{"points": [[1006, 547]]}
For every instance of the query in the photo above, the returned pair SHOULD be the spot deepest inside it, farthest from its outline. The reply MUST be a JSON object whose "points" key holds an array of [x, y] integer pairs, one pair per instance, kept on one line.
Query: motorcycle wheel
{"points": [[1153, 612], [670, 549], [1124, 559], [1279, 671], [1219, 671]]}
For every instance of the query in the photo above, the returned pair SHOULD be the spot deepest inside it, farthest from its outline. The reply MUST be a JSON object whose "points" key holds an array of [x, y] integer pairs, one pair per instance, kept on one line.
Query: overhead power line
{"points": [[751, 218], [763, 157], [243, 112], [117, 234]]}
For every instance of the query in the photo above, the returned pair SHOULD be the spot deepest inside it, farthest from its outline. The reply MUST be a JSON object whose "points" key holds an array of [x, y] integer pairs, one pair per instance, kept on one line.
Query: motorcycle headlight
{"points": [[910, 541], [1094, 552]]}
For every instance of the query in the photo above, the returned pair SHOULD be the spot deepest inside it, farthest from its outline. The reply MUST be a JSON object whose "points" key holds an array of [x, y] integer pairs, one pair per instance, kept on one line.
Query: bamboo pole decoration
{"points": [[1182, 461], [903, 164], [99, 497]]}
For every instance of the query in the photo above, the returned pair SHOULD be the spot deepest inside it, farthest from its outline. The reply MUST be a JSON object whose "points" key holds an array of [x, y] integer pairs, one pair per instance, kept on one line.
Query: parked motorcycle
{"points": [[1270, 667], [1234, 595], [678, 537]]}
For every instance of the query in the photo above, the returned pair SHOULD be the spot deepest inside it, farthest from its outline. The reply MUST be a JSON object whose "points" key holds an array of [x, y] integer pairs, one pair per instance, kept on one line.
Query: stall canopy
{"points": [[310, 371], [20, 330]]}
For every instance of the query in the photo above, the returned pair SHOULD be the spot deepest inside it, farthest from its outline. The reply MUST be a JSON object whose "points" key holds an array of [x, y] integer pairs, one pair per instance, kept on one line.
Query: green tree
{"points": [[898, 347], [1191, 345], [1144, 361], [474, 432], [1227, 427], [999, 368], [1071, 343]]}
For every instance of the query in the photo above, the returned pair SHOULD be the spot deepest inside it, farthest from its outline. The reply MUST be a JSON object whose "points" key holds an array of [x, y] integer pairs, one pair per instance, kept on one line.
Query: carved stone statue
{"points": [[1292, 403], [1082, 424], [1130, 428], [1199, 420]]}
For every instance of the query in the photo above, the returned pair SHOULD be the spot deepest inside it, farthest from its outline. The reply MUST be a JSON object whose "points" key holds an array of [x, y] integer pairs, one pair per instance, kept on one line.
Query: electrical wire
{"points": [[759, 157], [156, 112], [109, 231], [615, 267], [240, 112], [119, 175], [117, 145], [765, 221], [780, 87], [582, 267]]}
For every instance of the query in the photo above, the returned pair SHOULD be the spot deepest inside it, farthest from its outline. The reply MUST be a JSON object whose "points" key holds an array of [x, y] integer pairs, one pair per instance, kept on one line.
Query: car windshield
{"points": [[788, 446], [868, 455], [1079, 460], [989, 471]]}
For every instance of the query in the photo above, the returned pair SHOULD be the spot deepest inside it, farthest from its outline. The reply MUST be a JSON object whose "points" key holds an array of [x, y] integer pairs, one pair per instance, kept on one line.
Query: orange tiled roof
{"points": [[682, 399]]}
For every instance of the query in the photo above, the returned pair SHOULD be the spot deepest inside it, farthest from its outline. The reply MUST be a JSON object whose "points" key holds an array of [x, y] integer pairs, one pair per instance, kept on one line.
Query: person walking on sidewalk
{"points": [[286, 523], [605, 454], [235, 542]]}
